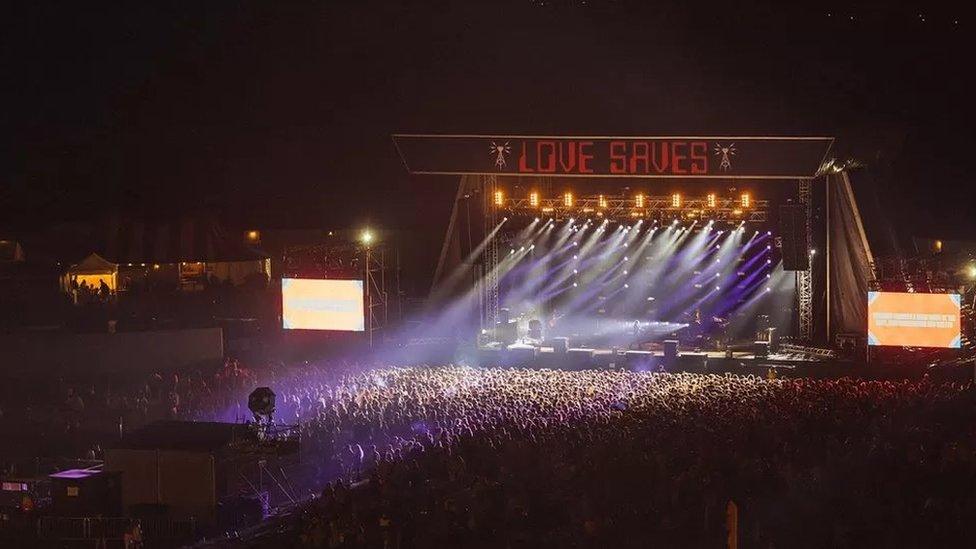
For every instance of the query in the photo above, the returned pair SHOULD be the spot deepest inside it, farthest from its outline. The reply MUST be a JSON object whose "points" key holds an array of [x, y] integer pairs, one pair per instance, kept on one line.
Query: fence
{"points": [[114, 528]]}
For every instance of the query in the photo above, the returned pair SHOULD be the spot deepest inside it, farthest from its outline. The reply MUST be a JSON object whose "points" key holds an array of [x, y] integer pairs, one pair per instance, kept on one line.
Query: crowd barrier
{"points": [[114, 528]]}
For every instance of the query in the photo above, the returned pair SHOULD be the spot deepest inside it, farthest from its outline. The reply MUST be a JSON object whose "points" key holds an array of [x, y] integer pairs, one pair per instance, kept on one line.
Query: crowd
{"points": [[463, 457], [75, 419], [455, 456]]}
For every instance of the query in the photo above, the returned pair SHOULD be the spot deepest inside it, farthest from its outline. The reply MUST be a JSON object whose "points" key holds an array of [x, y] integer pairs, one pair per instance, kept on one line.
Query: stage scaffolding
{"points": [[376, 297], [804, 279]]}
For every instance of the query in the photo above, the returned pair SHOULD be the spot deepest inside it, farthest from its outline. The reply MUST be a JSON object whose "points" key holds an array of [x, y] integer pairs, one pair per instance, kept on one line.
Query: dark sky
{"points": [[279, 113]]}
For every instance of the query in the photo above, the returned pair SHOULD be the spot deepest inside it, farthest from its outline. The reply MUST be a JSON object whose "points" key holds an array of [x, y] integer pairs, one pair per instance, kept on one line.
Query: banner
{"points": [[655, 157]]}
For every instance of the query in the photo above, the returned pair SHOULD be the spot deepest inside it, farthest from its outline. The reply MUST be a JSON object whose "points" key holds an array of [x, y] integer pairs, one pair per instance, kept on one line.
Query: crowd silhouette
{"points": [[467, 457]]}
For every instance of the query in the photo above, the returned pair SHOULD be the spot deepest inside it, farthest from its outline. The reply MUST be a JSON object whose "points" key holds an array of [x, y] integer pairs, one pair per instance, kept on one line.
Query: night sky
{"points": [[279, 114]]}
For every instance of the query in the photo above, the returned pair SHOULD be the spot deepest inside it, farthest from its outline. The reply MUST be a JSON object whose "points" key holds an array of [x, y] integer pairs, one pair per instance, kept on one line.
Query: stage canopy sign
{"points": [[582, 156]]}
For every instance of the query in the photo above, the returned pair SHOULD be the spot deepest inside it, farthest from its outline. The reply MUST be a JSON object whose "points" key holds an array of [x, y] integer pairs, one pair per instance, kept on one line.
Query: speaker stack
{"points": [[793, 232]]}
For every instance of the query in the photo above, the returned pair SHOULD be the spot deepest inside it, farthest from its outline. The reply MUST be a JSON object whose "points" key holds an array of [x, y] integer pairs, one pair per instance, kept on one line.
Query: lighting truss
{"points": [[654, 207], [804, 279]]}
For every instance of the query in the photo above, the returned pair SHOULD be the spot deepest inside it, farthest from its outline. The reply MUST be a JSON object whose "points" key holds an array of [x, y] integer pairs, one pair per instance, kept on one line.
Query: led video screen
{"points": [[913, 320], [308, 304]]}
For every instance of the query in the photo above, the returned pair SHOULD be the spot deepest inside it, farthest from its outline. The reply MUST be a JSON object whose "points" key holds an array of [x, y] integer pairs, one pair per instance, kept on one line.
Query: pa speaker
{"points": [[560, 344], [793, 231]]}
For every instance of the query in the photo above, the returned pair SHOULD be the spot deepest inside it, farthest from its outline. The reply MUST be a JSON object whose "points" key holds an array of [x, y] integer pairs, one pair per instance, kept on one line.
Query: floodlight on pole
{"points": [[366, 237]]}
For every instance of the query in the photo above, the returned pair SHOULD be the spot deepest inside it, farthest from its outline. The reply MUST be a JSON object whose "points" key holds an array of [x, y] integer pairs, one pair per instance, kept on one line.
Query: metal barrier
{"points": [[113, 528]]}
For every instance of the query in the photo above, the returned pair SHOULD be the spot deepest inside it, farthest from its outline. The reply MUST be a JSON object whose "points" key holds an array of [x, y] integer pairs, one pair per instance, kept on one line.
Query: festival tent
{"points": [[93, 270]]}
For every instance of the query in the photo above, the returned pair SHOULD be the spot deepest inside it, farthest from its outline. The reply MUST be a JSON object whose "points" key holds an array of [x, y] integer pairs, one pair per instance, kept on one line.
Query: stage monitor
{"points": [[913, 320], [310, 304]]}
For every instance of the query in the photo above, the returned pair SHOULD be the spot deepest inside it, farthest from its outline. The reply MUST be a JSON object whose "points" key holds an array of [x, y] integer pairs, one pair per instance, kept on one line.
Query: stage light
{"points": [[253, 236], [575, 271], [602, 201], [718, 288], [769, 233], [971, 271], [626, 272], [718, 275], [676, 200], [575, 257], [768, 289], [537, 220], [574, 285], [745, 200], [534, 199], [626, 285], [639, 200], [499, 198], [626, 258], [711, 200], [767, 275], [770, 248], [768, 261], [568, 200], [812, 252], [366, 237], [736, 212], [650, 299]]}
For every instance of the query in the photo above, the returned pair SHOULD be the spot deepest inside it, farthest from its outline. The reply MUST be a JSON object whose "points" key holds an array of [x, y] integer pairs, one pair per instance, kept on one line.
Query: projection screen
{"points": [[310, 304], [914, 320]]}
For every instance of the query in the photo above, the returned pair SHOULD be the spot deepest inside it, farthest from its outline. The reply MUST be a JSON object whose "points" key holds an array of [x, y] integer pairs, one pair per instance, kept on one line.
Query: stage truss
{"points": [[645, 207], [804, 279]]}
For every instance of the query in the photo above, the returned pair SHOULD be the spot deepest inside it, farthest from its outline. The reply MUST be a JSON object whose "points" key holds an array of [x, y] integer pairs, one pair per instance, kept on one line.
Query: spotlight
{"points": [[770, 248], [537, 220], [625, 272], [769, 233], [626, 285], [717, 275], [504, 219], [575, 243], [768, 289], [718, 288], [639, 200], [575, 257], [568, 200], [676, 200], [813, 252], [767, 275], [768, 261], [603, 201], [366, 237], [711, 200], [626, 258], [745, 200], [534, 199], [574, 285], [499, 198], [575, 271], [971, 271]]}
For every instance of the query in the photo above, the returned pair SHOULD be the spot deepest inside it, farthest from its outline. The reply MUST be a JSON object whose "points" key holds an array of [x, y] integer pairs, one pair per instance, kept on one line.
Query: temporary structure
{"points": [[92, 271]]}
